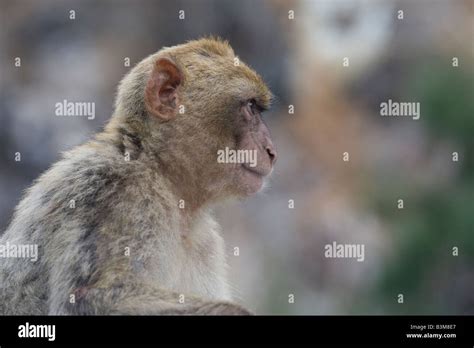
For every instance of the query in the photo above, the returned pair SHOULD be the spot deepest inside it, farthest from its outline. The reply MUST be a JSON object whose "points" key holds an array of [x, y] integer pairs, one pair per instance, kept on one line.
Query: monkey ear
{"points": [[161, 92]]}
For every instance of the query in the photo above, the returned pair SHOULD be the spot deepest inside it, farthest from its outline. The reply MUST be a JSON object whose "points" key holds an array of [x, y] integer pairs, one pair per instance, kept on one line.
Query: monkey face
{"points": [[255, 154], [210, 109]]}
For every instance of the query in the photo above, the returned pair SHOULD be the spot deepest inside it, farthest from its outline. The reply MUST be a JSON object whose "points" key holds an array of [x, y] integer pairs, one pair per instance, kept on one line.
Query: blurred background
{"points": [[408, 251]]}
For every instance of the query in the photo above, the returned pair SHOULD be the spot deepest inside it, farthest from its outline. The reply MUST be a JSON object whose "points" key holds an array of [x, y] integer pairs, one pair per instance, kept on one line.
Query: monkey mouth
{"points": [[255, 170]]}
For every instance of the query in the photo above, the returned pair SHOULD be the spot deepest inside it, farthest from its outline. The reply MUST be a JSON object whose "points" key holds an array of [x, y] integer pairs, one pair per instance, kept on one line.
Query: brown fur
{"points": [[127, 185]]}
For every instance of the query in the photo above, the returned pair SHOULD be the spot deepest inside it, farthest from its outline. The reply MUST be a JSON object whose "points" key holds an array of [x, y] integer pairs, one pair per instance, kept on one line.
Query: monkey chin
{"points": [[250, 180]]}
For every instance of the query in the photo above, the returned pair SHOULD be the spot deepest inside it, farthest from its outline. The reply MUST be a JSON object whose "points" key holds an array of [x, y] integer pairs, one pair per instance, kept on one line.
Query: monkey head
{"points": [[199, 110]]}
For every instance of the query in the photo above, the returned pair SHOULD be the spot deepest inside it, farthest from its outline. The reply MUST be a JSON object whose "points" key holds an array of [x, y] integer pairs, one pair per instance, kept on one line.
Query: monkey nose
{"points": [[272, 154]]}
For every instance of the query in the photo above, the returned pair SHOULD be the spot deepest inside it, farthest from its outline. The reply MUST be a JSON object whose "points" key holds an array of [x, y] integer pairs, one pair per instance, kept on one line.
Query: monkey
{"points": [[124, 222]]}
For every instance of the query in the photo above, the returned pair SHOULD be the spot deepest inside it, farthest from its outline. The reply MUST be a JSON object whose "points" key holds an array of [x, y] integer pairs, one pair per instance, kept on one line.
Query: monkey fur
{"points": [[123, 222]]}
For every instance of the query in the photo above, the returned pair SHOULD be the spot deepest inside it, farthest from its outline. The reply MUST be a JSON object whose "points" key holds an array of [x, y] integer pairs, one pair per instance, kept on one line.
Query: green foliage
{"points": [[440, 218], [447, 104]]}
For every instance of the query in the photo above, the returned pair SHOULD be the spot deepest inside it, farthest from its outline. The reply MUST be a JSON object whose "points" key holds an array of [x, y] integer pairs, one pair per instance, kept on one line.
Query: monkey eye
{"points": [[253, 107]]}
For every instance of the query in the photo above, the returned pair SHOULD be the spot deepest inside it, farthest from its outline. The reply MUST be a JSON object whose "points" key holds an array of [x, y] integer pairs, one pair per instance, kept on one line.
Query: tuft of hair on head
{"points": [[211, 45], [215, 45]]}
